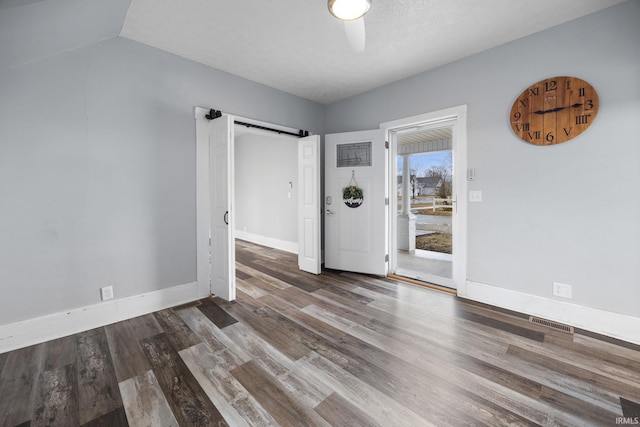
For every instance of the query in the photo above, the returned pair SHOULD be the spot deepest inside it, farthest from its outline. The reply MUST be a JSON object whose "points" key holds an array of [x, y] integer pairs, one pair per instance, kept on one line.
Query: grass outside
{"points": [[440, 241], [436, 242]]}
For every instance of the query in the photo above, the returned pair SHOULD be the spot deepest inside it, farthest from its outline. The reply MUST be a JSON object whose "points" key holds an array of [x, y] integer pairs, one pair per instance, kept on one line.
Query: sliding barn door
{"points": [[221, 187], [309, 204]]}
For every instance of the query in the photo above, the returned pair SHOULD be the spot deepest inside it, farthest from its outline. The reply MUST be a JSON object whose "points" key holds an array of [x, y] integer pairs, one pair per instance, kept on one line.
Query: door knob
{"points": [[329, 212]]}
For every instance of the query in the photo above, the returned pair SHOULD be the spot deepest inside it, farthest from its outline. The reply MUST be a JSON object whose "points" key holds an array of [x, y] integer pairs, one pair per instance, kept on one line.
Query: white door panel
{"points": [[309, 204], [221, 198], [356, 238]]}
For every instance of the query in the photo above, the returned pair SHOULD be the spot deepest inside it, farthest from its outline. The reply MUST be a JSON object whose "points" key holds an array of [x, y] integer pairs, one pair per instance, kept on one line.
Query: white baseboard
{"points": [[270, 242], [57, 325], [615, 325]]}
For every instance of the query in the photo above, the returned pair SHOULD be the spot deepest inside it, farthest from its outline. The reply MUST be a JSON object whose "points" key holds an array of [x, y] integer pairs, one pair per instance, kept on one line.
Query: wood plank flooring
{"points": [[338, 349]]}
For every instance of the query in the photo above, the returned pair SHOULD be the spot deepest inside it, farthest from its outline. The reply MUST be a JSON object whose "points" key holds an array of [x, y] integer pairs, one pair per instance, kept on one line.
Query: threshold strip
{"points": [[424, 284]]}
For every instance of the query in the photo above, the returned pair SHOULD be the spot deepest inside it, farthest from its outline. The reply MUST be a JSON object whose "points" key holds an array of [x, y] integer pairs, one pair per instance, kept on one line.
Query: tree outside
{"points": [[443, 172]]}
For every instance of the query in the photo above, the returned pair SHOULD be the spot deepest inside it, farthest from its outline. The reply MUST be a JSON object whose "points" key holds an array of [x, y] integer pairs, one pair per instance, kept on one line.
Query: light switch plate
{"points": [[475, 196]]}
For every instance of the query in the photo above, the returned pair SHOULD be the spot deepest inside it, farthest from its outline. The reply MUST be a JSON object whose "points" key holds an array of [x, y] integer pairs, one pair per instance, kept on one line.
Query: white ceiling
{"points": [[298, 47], [292, 45]]}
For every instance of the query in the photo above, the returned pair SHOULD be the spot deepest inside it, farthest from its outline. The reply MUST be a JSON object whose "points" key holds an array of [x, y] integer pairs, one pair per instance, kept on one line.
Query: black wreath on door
{"points": [[352, 195]]}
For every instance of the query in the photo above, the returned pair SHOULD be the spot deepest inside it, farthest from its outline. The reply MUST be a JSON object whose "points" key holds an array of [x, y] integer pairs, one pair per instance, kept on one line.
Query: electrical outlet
{"points": [[106, 293], [561, 290]]}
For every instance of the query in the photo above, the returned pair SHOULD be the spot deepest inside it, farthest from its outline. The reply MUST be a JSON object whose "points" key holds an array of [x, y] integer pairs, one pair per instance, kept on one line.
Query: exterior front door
{"points": [[356, 221]]}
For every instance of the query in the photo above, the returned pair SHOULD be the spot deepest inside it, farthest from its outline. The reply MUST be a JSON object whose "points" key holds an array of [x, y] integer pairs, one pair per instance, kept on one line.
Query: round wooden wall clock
{"points": [[554, 110]]}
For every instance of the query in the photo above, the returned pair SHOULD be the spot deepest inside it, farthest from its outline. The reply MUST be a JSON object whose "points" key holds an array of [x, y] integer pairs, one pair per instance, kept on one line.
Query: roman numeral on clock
{"points": [[583, 120], [534, 135]]}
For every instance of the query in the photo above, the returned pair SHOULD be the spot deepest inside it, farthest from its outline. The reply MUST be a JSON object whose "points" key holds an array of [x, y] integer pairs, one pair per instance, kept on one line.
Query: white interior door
{"points": [[221, 187], [309, 204], [356, 237]]}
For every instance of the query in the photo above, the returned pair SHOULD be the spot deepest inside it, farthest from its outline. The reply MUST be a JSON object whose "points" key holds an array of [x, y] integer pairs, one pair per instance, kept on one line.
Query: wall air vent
{"points": [[551, 324]]}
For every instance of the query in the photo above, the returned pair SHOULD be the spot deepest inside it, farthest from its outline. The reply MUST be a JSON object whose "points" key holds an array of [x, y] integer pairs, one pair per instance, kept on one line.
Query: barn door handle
{"points": [[226, 217]]}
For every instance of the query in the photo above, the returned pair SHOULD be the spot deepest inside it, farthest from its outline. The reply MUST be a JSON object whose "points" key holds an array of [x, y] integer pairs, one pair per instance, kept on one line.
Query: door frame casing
{"points": [[203, 230], [457, 114]]}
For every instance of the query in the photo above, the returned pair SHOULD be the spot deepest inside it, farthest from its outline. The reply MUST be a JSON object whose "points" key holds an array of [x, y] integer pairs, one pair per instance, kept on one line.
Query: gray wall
{"points": [[264, 165], [97, 160], [97, 170], [568, 213]]}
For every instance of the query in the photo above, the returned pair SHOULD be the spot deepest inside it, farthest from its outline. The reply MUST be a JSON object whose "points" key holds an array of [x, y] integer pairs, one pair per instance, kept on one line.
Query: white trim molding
{"points": [[269, 242], [203, 230], [57, 325], [615, 325]]}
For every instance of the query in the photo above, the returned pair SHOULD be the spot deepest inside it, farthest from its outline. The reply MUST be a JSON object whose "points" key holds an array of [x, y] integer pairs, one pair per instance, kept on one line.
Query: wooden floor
{"points": [[336, 349]]}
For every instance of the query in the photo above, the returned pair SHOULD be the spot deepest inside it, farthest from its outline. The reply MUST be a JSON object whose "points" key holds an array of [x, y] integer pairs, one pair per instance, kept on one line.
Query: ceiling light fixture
{"points": [[349, 10]]}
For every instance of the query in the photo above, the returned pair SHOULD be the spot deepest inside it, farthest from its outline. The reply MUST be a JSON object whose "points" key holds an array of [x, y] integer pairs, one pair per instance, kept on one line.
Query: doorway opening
{"points": [[216, 197], [266, 188], [427, 208]]}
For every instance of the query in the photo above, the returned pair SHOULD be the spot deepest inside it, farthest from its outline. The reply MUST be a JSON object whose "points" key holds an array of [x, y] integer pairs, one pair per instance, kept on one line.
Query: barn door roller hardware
{"points": [[214, 114]]}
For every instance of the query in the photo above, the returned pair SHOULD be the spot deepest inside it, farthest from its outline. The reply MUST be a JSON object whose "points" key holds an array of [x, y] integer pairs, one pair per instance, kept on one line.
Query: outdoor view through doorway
{"points": [[425, 204]]}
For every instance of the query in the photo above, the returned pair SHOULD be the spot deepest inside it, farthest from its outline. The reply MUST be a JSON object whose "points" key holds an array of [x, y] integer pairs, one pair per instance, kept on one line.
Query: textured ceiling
{"points": [[298, 47], [292, 45]]}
